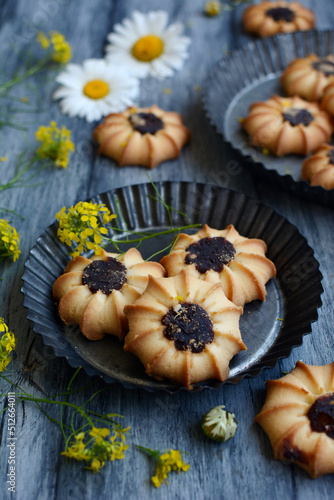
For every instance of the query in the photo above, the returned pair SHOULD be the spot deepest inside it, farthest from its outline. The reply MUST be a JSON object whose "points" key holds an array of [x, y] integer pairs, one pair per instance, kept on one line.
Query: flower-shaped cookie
{"points": [[327, 102], [298, 417], [318, 169], [93, 292], [287, 125], [223, 256], [142, 136], [307, 77], [184, 329], [269, 18]]}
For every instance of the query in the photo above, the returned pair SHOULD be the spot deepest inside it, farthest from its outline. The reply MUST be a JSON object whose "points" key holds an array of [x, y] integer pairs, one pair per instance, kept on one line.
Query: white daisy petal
{"points": [[140, 23], [174, 30], [113, 89], [161, 70], [140, 26], [72, 70], [157, 22], [121, 41]]}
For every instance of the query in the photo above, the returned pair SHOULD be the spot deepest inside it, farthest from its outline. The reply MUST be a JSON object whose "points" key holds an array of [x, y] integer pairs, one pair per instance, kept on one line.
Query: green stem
{"points": [[161, 200], [152, 453], [31, 71], [149, 236], [61, 403]]}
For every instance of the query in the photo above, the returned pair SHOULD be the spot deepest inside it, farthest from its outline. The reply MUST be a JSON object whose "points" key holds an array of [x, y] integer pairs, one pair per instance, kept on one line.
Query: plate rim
{"points": [[93, 371], [285, 181]]}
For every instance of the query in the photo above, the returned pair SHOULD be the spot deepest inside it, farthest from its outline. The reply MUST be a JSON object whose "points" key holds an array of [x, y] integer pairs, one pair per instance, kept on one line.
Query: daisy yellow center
{"points": [[148, 48], [96, 89]]}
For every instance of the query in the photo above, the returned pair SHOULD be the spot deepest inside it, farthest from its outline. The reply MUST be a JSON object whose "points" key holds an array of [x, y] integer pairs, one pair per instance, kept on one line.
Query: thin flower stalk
{"points": [[58, 51], [88, 442], [80, 226]]}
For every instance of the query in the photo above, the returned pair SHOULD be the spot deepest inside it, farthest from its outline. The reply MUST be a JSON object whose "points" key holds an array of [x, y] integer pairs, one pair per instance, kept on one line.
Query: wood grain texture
{"points": [[242, 468]]}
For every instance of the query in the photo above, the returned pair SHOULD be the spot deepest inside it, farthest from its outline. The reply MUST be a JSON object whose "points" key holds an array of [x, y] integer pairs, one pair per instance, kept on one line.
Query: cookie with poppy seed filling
{"points": [[307, 77], [287, 125], [318, 169], [298, 417], [142, 136], [184, 329], [92, 292], [327, 102], [238, 263], [269, 18]]}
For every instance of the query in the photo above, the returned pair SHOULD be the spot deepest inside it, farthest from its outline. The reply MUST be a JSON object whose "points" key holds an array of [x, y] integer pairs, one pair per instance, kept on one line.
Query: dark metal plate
{"points": [[293, 296], [252, 74]]}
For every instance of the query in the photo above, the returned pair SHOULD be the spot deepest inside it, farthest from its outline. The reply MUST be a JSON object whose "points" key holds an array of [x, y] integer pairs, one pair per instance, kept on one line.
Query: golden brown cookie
{"points": [[327, 102], [142, 136], [239, 264], [287, 125], [318, 169], [298, 417], [307, 77], [93, 292], [184, 329], [269, 18]]}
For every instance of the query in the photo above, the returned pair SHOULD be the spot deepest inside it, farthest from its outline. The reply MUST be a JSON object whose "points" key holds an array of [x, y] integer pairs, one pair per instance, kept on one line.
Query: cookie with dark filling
{"points": [[327, 101], [269, 18], [93, 292], [184, 329], [298, 417], [307, 77], [223, 256], [287, 125], [318, 169], [142, 136]]}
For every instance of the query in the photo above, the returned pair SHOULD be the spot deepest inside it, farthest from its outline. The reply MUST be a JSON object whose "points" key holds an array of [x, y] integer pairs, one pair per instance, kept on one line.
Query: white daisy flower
{"points": [[95, 89], [146, 46]]}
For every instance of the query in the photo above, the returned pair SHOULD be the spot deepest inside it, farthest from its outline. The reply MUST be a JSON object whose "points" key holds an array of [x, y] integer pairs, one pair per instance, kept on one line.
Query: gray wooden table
{"points": [[242, 468]]}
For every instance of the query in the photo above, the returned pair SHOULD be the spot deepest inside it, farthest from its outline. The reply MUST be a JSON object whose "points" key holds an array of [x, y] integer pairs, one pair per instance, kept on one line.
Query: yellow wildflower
{"points": [[80, 225], [213, 8], [95, 465], [56, 144], [97, 450], [7, 345], [166, 462], [3, 158], [99, 433], [9, 241], [77, 448], [61, 49], [43, 40]]}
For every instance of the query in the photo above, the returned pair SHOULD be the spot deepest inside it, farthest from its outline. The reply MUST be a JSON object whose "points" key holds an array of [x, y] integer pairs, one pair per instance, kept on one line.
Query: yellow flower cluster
{"points": [[213, 8], [7, 345], [80, 225], [56, 144], [9, 241], [167, 462], [61, 49], [97, 449]]}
